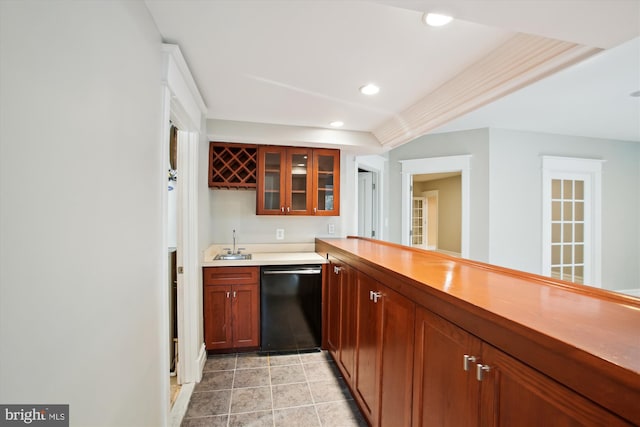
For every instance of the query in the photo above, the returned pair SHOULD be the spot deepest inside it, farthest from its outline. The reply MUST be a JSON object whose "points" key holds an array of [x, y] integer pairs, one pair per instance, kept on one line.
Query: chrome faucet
{"points": [[234, 241], [232, 251]]}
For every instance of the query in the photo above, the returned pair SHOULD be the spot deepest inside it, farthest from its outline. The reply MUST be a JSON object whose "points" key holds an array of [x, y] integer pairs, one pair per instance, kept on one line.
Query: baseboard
{"points": [[632, 292], [455, 254], [202, 359], [181, 404]]}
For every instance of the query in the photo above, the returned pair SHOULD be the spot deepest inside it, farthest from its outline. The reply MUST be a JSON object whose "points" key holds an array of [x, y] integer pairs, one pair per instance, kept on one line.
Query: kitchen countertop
{"points": [[265, 254]]}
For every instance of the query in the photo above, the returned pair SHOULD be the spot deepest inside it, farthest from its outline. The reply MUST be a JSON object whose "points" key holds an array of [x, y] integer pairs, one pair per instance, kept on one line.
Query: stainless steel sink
{"points": [[230, 257]]}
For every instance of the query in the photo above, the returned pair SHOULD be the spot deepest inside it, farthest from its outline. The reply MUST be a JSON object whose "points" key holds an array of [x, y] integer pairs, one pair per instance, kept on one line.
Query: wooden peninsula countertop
{"points": [[583, 337]]}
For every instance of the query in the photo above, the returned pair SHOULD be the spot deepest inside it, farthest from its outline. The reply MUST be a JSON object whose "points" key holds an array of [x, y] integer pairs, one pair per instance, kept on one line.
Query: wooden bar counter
{"points": [[425, 339]]}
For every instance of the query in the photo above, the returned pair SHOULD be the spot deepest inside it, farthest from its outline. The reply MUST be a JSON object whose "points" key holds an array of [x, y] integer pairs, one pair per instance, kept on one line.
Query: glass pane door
{"points": [[326, 175], [299, 181], [417, 222], [272, 178], [567, 230]]}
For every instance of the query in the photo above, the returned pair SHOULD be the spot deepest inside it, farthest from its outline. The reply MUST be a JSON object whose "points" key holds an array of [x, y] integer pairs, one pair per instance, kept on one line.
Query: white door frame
{"points": [[429, 165], [182, 104], [375, 164], [366, 210]]}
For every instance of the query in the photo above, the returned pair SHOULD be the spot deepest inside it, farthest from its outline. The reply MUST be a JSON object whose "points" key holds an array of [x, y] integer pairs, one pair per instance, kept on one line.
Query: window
{"points": [[571, 219]]}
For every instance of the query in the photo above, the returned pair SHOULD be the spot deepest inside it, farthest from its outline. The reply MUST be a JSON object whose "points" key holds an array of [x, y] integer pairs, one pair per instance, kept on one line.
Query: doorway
{"points": [[437, 202], [368, 179], [455, 165], [367, 203], [172, 227], [182, 106]]}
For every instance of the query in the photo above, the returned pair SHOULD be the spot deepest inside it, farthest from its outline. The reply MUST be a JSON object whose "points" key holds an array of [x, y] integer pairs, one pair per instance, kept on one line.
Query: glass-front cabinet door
{"points": [[326, 197], [299, 180], [271, 180]]}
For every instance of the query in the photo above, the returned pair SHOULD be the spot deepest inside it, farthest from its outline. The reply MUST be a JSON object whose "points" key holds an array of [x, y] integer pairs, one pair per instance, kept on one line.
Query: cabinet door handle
{"points": [[228, 293], [336, 269], [282, 209], [374, 296], [467, 359], [234, 294], [288, 209], [480, 370], [315, 210]]}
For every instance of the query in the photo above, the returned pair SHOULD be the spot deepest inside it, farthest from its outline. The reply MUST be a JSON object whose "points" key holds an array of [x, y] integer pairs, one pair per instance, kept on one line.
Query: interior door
{"points": [[365, 204]]}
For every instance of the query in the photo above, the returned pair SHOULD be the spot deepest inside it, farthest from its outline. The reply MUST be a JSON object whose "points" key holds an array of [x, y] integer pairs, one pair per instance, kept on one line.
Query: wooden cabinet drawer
{"points": [[231, 275]]}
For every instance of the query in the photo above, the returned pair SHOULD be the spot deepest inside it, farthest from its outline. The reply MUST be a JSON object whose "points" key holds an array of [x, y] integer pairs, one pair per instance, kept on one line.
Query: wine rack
{"points": [[232, 165]]}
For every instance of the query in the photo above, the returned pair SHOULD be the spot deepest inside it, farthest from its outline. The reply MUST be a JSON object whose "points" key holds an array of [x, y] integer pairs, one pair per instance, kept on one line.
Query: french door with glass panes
{"points": [[418, 222], [571, 232]]}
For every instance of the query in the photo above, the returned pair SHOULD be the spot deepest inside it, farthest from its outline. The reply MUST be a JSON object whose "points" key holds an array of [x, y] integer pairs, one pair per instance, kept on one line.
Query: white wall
{"points": [[474, 142], [516, 196], [81, 181]]}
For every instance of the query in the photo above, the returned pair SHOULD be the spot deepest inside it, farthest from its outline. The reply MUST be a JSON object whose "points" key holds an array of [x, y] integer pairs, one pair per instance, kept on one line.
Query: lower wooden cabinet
{"points": [[407, 366], [365, 384], [374, 351], [341, 317], [231, 306], [416, 353], [462, 381]]}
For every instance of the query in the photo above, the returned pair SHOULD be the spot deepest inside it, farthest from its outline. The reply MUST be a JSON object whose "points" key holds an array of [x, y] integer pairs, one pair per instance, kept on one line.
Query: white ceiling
{"points": [[301, 62]]}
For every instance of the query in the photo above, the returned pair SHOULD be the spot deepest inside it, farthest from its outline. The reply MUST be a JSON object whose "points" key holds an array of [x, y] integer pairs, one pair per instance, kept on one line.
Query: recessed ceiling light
{"points": [[370, 89], [336, 124], [635, 94], [436, 19]]}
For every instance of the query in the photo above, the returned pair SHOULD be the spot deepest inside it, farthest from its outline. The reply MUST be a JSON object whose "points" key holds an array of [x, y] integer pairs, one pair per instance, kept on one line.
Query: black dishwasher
{"points": [[290, 307]]}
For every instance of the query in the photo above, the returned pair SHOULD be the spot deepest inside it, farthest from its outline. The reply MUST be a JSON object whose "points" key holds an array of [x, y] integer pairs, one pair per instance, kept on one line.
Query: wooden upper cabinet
{"points": [[297, 181], [232, 165]]}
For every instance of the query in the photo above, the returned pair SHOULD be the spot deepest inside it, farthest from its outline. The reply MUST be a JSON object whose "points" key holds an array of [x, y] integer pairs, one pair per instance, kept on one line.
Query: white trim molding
{"points": [[183, 105], [187, 106], [462, 164], [376, 164], [521, 60], [589, 171]]}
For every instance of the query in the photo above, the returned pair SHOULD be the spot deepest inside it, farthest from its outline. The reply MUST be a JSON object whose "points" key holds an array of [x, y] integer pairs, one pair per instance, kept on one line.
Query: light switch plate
{"points": [[331, 228], [279, 233]]}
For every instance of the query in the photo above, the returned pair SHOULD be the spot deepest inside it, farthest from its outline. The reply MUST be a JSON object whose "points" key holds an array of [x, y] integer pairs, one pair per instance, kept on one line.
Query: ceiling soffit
{"points": [[520, 61]]}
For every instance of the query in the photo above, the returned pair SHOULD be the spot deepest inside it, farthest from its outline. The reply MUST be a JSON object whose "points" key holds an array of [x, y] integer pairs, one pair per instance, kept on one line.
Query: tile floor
{"points": [[248, 389]]}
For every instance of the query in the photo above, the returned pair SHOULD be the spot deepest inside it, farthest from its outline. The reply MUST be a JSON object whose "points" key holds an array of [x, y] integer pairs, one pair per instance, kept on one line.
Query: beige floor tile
{"points": [[289, 395], [304, 416], [251, 377], [251, 399], [223, 362], [252, 419], [340, 414], [287, 374]]}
